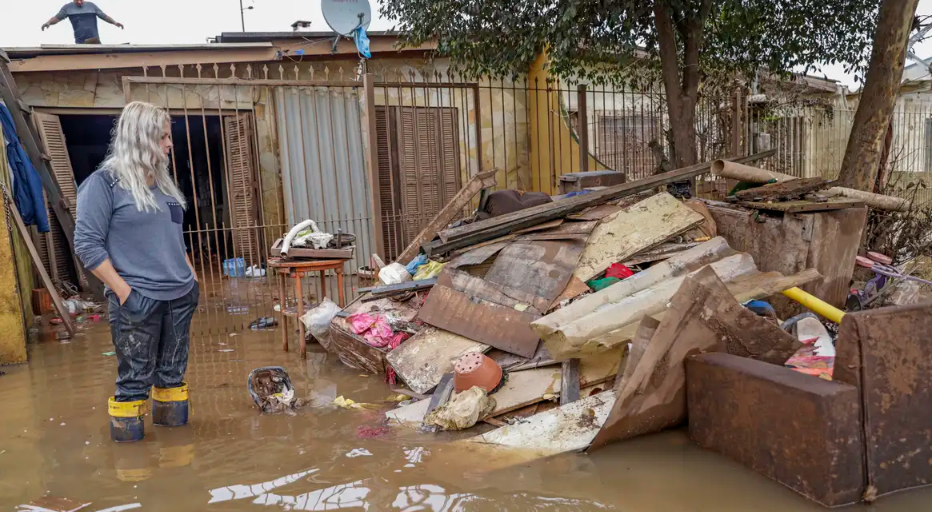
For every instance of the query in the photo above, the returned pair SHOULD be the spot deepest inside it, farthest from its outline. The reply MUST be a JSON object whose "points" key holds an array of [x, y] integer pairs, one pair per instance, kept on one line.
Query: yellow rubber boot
{"points": [[170, 406], [126, 420]]}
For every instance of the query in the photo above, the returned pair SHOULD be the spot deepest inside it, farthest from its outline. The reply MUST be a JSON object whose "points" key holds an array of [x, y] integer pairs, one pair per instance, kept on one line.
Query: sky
{"points": [[193, 21]]}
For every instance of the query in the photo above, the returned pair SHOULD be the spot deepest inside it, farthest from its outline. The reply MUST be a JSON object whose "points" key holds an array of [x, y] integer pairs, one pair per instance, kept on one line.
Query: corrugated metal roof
{"points": [[66, 49], [240, 37]]}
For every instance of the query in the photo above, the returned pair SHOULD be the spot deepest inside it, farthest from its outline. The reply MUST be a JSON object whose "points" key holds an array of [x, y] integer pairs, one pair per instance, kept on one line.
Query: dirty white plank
{"points": [[427, 356], [630, 231], [568, 428]]}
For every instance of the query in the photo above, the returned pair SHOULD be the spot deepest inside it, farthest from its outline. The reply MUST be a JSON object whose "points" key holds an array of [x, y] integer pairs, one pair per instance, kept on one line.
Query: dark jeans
{"points": [[151, 338]]}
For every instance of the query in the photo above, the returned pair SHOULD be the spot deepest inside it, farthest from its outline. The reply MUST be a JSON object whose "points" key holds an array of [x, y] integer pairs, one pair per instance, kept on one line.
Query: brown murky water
{"points": [[54, 442]]}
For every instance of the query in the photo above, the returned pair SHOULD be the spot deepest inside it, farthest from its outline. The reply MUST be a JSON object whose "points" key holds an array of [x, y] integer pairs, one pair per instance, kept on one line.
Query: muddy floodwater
{"points": [[54, 445]]}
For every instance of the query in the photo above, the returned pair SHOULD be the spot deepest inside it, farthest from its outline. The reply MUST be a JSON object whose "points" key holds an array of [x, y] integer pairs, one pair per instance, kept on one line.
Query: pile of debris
{"points": [[566, 322]]}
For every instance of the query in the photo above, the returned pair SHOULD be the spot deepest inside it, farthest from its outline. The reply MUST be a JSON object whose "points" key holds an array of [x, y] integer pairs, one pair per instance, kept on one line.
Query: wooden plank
{"points": [[425, 358], [448, 213], [552, 237], [37, 263], [790, 189], [804, 206], [504, 328], [407, 286], [596, 213], [659, 253], [628, 232], [503, 225], [439, 398], [645, 332], [540, 227], [569, 381], [372, 162], [535, 272]]}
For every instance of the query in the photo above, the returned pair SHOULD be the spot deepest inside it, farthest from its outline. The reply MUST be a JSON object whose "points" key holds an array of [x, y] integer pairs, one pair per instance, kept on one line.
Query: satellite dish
{"points": [[345, 16]]}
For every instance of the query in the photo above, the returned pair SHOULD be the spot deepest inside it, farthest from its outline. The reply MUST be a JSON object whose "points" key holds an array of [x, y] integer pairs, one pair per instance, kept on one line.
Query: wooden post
{"points": [[582, 128], [569, 382], [372, 160], [737, 128]]}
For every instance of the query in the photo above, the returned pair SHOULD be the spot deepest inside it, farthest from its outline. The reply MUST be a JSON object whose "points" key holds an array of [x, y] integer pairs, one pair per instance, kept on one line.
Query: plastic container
{"points": [[234, 267], [476, 370]]}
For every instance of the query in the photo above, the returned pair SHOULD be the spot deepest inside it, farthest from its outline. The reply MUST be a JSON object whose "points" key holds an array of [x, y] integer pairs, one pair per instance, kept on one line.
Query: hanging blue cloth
{"points": [[27, 186], [362, 42]]}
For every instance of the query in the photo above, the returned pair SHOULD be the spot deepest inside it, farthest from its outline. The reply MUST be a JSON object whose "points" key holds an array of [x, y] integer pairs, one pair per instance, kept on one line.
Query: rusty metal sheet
{"points": [[885, 353], [536, 272], [503, 328], [799, 430]]}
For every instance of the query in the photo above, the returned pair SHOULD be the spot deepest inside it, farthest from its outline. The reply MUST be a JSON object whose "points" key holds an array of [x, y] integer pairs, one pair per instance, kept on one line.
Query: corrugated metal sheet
{"points": [[323, 164]]}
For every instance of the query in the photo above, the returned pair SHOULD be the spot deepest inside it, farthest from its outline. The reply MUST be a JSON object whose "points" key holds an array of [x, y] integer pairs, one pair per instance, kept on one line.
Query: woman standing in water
{"points": [[128, 233]]}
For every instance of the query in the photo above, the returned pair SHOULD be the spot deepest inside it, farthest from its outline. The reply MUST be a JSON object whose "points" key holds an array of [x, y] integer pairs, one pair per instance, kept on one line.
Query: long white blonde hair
{"points": [[135, 155]]}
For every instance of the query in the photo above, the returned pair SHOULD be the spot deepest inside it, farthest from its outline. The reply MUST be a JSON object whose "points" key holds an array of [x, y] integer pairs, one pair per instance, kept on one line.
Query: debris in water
{"points": [[271, 390], [226, 350], [347, 403], [109, 354], [265, 322], [366, 432]]}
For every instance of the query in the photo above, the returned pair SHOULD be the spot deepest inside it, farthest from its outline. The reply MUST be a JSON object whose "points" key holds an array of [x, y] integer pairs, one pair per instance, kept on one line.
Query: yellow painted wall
{"points": [[554, 146], [13, 340]]}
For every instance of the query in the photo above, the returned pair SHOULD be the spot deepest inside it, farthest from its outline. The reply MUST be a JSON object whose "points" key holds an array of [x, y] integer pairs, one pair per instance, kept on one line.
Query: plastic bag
{"points": [[317, 320], [394, 274], [463, 410], [416, 263], [429, 270]]}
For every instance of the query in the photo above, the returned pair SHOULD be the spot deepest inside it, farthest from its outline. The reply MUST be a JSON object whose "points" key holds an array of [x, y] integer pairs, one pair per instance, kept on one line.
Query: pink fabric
{"points": [[376, 330], [360, 322]]}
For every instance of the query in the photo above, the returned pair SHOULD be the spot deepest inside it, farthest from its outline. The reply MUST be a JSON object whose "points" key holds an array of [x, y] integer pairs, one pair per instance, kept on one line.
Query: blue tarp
{"points": [[27, 186]]}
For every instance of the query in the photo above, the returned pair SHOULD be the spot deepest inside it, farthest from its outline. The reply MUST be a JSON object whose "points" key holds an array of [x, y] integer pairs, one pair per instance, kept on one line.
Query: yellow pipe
{"points": [[815, 304]]}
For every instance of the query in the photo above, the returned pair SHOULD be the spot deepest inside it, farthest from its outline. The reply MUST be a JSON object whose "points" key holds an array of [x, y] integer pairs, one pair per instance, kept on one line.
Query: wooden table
{"points": [[298, 269]]}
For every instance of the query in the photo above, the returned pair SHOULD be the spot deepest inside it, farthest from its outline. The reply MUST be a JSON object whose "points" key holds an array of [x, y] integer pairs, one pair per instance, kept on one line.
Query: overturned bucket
{"points": [[266, 385]]}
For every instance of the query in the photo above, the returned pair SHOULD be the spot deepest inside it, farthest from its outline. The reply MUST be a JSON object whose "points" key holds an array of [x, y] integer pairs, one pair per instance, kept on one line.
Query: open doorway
{"points": [[78, 143]]}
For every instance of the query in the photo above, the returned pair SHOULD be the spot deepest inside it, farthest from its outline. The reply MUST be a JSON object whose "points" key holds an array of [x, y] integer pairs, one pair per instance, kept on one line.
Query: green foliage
{"points": [[598, 40]]}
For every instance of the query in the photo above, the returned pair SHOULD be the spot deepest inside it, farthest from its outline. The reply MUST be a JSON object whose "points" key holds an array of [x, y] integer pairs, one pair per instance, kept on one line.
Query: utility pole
{"points": [[242, 15]]}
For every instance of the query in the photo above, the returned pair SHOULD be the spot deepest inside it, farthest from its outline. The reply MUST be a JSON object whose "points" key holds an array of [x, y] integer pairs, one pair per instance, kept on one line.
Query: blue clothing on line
{"points": [[27, 186]]}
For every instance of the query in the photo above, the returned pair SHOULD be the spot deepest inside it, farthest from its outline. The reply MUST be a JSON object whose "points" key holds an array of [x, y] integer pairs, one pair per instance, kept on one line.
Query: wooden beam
{"points": [[73, 62], [372, 161], [488, 229], [569, 381], [477, 183], [37, 263]]}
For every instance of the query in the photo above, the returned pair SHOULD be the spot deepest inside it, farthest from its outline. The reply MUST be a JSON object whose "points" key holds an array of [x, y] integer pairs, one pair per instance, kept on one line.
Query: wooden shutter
{"points": [[388, 184], [59, 255], [419, 169], [241, 186]]}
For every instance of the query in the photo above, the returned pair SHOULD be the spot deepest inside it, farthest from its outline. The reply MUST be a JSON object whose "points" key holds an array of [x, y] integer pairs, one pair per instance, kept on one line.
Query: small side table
{"points": [[297, 269]]}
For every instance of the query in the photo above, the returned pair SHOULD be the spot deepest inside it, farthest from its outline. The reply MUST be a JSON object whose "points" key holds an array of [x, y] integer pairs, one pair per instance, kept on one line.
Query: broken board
{"points": [[536, 272], [628, 232], [801, 206], [574, 288], [424, 359], [523, 388], [503, 328], [568, 428], [783, 190], [703, 317]]}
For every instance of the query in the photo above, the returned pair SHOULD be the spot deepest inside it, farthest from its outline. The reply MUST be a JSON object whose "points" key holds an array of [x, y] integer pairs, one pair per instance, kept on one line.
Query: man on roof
{"points": [[83, 16]]}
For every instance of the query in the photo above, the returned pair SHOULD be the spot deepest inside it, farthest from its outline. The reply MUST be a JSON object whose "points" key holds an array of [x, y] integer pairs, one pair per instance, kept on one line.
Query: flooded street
{"points": [[54, 442]]}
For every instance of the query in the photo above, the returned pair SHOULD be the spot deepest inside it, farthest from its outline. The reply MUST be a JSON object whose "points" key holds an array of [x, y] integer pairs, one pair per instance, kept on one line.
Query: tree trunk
{"points": [[883, 170], [878, 97], [681, 82]]}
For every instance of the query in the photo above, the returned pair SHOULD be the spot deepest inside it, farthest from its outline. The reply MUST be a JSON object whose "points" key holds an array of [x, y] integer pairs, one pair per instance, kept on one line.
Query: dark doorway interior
{"points": [[197, 162]]}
